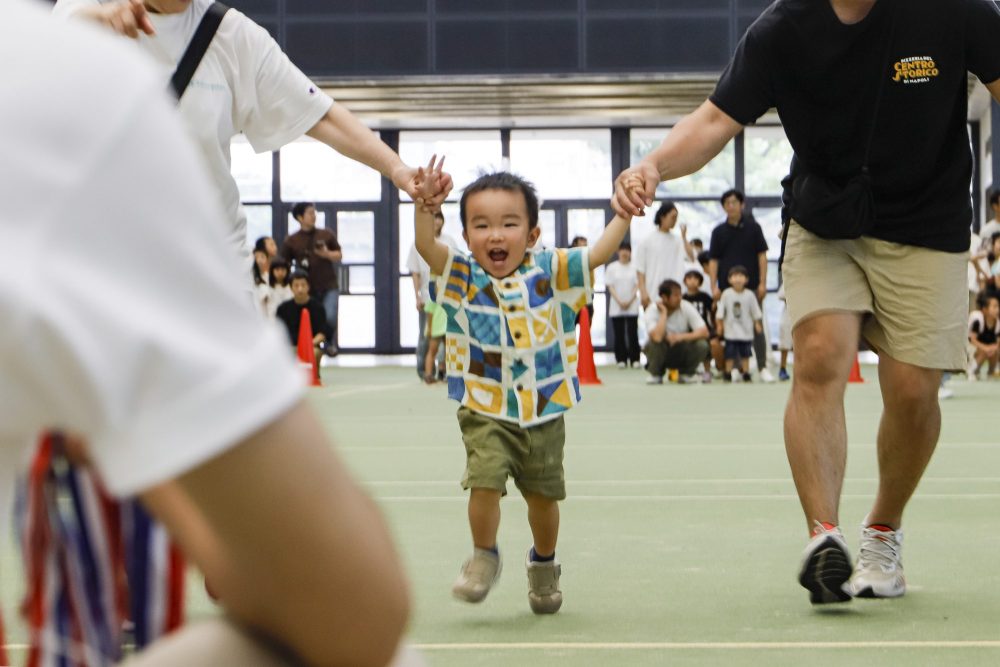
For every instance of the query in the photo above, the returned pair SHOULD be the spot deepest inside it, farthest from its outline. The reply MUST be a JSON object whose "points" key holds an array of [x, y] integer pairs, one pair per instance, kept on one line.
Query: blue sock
{"points": [[541, 559]]}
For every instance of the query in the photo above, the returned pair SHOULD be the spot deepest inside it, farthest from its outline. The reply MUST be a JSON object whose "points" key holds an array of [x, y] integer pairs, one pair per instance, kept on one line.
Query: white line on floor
{"points": [[691, 480], [677, 646], [368, 390], [683, 646], [775, 446], [693, 497]]}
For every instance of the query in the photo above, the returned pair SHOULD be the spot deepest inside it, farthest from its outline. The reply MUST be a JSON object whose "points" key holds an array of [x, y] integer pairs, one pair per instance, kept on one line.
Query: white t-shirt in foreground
{"points": [[245, 83], [625, 281], [128, 324]]}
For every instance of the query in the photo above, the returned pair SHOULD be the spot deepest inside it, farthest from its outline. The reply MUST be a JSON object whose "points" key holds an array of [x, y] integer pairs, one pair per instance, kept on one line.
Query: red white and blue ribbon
{"points": [[79, 547]]}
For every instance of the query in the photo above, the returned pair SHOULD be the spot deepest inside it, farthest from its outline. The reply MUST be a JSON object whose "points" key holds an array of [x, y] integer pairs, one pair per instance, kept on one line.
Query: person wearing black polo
{"points": [[739, 241], [873, 98]]}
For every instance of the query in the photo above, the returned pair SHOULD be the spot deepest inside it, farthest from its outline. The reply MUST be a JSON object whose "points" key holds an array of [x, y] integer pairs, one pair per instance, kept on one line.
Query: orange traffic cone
{"points": [[855, 375], [306, 351], [585, 369]]}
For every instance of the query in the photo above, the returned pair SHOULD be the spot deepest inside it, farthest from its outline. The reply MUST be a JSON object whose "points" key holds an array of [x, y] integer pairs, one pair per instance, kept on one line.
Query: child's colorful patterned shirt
{"points": [[511, 342]]}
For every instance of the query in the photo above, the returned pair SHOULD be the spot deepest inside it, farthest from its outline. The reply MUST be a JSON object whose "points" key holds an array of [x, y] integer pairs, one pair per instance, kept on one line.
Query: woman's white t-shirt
{"points": [[244, 84], [625, 281]]}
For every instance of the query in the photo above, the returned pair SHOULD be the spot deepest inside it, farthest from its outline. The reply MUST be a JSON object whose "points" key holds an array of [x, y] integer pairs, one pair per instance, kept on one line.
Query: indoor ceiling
{"points": [[486, 101]]}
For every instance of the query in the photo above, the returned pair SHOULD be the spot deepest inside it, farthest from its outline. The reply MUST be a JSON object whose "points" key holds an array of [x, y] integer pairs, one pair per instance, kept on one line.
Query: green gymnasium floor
{"points": [[681, 534]]}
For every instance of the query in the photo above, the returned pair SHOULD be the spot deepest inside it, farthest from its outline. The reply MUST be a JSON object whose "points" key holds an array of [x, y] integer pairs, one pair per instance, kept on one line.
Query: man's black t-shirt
{"points": [[734, 245], [291, 314], [822, 76]]}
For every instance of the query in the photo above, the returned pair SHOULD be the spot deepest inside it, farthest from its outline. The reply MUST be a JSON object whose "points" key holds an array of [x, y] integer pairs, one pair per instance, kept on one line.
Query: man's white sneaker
{"points": [[654, 379], [478, 575], [544, 595], [766, 376], [826, 567], [879, 572], [621, 364]]}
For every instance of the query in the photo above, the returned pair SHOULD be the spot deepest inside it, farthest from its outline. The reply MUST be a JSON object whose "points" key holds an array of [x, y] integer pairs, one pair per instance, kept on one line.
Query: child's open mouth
{"points": [[498, 256]]}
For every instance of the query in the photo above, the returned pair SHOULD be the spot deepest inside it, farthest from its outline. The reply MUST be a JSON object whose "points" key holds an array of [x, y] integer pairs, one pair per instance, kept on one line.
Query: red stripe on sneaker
{"points": [[826, 525], [882, 528]]}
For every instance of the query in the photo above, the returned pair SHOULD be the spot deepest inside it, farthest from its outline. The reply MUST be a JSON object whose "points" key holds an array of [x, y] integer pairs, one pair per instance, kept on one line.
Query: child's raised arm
{"points": [[430, 248], [606, 246], [613, 234]]}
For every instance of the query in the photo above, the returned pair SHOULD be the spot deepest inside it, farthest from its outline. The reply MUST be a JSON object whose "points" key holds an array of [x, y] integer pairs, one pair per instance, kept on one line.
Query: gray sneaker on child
{"points": [[544, 595], [478, 575]]}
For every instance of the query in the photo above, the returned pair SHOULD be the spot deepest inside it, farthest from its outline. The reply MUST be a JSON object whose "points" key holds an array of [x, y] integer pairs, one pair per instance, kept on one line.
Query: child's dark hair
{"points": [[994, 196], [300, 209], [298, 275], [704, 257], [278, 262], [733, 192], [503, 180], [739, 268], [668, 286], [665, 209], [696, 274], [625, 245], [258, 279], [984, 298], [261, 244]]}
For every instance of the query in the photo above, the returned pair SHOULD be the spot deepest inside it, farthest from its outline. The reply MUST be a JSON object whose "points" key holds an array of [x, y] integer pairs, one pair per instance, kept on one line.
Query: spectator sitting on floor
{"points": [[678, 336], [290, 312], [984, 334]]}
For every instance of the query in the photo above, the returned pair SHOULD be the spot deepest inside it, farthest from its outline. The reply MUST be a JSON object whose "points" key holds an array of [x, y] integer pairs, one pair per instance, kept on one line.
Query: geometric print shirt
{"points": [[511, 342]]}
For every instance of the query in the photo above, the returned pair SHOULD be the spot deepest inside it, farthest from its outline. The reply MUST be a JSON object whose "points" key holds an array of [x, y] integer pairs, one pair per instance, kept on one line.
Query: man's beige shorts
{"points": [[915, 298]]}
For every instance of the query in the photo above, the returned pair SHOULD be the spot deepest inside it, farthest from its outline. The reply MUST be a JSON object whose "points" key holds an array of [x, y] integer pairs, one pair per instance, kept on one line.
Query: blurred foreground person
{"points": [[127, 341]]}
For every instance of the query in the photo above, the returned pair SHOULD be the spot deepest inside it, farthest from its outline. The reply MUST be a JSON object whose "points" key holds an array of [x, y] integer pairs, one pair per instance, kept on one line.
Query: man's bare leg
{"points": [[907, 435], [815, 430]]}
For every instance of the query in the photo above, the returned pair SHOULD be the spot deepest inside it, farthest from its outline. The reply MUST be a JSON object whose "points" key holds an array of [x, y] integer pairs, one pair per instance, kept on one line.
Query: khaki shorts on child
{"points": [[496, 450], [915, 297]]}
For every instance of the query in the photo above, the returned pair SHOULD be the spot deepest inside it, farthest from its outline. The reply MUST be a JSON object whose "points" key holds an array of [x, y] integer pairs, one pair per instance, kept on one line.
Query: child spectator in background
{"points": [[738, 317], [267, 244], [511, 353], [623, 288], [784, 336], [261, 288], [984, 334], [704, 259], [281, 291], [437, 324], [702, 302]]}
